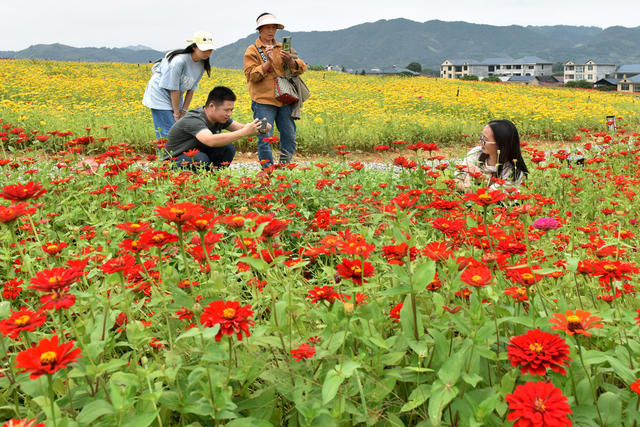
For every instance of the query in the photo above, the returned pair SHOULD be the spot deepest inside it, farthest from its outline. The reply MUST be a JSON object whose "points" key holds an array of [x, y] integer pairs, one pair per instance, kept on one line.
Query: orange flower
{"points": [[575, 323]]}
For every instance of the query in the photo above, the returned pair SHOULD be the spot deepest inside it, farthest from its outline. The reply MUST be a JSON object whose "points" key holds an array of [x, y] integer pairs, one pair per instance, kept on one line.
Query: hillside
{"points": [[399, 42]]}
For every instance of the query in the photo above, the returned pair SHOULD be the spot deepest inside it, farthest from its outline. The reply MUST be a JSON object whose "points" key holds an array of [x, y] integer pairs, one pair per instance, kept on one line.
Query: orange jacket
{"points": [[262, 85]]}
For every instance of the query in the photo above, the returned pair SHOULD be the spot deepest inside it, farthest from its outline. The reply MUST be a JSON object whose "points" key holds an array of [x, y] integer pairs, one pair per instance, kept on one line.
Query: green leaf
{"points": [[441, 395], [193, 332], [396, 290], [417, 397], [452, 367], [94, 410], [348, 368], [257, 264], [423, 275], [471, 379], [611, 408], [621, 369], [249, 422], [142, 420], [331, 385]]}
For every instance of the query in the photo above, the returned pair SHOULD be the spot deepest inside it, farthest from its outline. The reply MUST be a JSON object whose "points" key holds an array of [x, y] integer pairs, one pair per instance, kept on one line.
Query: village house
{"points": [[588, 69], [626, 71], [535, 80], [499, 67], [630, 84]]}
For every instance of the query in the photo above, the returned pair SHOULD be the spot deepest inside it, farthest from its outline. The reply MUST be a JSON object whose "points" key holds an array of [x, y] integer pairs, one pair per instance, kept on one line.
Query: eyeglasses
{"points": [[484, 141]]}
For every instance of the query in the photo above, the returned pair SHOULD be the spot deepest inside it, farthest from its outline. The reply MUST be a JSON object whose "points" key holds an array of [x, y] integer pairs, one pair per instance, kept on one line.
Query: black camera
{"points": [[263, 125]]}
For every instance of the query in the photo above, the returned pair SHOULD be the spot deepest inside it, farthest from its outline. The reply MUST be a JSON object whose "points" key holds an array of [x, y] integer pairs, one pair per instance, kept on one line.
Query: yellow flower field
{"points": [[361, 111]]}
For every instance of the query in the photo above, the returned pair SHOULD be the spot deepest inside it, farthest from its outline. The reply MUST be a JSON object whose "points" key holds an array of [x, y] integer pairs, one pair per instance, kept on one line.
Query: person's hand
{"points": [[288, 59], [177, 115], [252, 128], [269, 127], [268, 50]]}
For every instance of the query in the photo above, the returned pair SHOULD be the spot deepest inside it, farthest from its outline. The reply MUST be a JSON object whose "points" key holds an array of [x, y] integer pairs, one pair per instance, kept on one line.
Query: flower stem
{"points": [[588, 374], [53, 412]]}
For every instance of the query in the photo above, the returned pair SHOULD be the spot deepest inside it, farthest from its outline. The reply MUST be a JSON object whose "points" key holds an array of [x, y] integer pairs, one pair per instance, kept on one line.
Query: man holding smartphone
{"points": [[197, 138]]}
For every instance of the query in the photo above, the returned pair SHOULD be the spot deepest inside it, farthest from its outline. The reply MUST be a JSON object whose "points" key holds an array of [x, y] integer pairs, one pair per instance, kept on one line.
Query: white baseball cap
{"points": [[202, 39], [267, 19]]}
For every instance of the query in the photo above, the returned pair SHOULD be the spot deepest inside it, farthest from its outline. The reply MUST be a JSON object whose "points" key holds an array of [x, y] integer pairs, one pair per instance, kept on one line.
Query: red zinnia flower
{"points": [[18, 192], [53, 248], [482, 198], [637, 319], [476, 276], [122, 263], [55, 279], [11, 213], [575, 323], [305, 351], [355, 270], [536, 351], [437, 251], [273, 225], [323, 293], [635, 386], [21, 320], [397, 254], [395, 312], [356, 245], [47, 357], [12, 289], [23, 423], [518, 294], [523, 275], [179, 212], [230, 316], [57, 300], [538, 404]]}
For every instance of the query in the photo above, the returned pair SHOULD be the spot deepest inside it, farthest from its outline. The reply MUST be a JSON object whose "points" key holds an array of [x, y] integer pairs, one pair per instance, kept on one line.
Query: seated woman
{"points": [[497, 161]]}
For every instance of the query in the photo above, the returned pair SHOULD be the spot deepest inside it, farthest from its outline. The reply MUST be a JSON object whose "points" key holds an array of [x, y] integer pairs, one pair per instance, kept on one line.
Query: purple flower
{"points": [[546, 223]]}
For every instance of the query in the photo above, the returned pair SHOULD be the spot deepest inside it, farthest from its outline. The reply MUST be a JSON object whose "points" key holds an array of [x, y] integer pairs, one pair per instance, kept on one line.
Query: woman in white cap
{"points": [[174, 76], [263, 62]]}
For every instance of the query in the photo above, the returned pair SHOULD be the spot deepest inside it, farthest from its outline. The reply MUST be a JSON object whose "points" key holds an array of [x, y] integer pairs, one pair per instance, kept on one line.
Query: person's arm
{"points": [[255, 69], [296, 65], [236, 131], [175, 104], [188, 96]]}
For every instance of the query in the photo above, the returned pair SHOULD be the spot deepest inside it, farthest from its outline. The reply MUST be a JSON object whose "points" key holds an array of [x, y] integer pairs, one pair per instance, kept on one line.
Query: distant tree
{"points": [[470, 77], [317, 67], [415, 67], [364, 73], [491, 79], [432, 71], [583, 84], [557, 67]]}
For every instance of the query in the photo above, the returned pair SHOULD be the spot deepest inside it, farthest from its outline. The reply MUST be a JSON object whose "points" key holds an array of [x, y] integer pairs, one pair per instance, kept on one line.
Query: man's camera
{"points": [[263, 125]]}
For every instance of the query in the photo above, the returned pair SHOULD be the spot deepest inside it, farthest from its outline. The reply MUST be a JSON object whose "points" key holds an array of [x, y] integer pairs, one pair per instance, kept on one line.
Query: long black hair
{"points": [[189, 49], [508, 141]]}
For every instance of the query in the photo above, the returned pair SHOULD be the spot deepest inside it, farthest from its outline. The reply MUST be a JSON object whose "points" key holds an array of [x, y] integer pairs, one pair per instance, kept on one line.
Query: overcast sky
{"points": [[165, 25]]}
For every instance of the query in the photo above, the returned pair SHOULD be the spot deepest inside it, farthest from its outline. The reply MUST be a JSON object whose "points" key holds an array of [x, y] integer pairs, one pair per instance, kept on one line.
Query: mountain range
{"points": [[400, 41]]}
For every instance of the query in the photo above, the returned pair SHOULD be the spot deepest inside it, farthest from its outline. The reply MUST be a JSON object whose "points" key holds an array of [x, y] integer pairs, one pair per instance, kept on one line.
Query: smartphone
{"points": [[286, 44]]}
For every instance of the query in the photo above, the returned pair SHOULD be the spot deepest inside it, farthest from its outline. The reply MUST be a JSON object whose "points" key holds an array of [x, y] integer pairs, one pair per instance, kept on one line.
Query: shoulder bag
{"points": [[285, 88]]}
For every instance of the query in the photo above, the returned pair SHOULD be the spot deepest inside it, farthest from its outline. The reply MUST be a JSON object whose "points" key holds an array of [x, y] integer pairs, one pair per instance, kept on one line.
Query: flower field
{"points": [[362, 111], [327, 294], [320, 294]]}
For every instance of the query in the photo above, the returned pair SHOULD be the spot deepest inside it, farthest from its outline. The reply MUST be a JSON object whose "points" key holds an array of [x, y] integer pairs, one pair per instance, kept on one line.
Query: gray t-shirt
{"points": [[182, 74], [182, 135]]}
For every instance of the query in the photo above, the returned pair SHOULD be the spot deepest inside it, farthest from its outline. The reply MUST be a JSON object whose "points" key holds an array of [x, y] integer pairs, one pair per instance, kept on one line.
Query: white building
{"points": [[499, 67], [590, 70]]}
